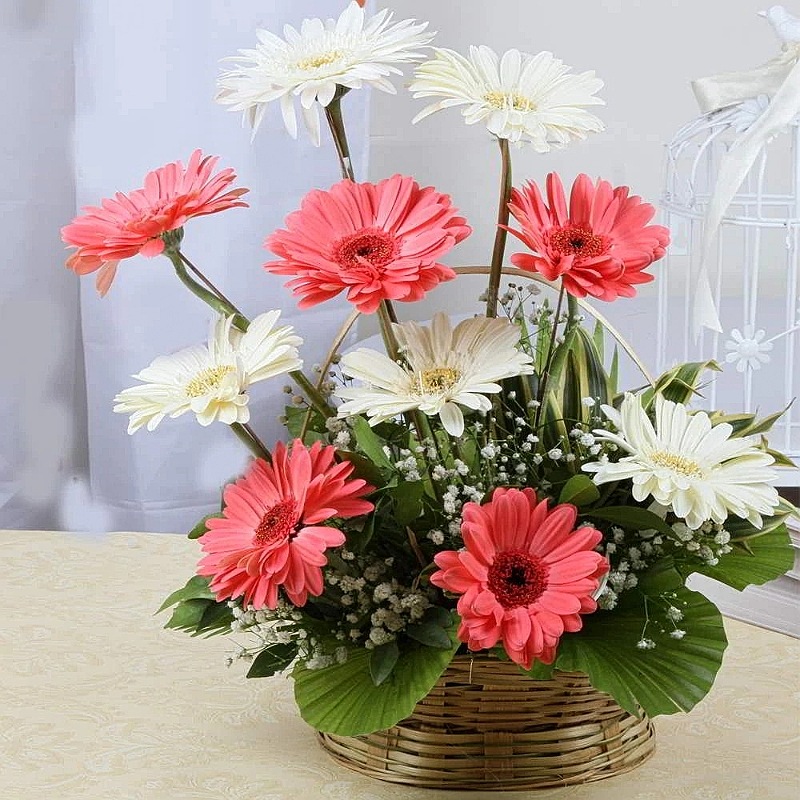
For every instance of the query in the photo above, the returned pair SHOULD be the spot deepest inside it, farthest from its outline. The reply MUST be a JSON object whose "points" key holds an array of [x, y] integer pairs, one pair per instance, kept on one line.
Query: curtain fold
{"points": [[144, 79]]}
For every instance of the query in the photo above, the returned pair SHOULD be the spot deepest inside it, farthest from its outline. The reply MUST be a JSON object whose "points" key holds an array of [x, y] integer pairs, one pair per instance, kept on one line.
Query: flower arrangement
{"points": [[480, 485]]}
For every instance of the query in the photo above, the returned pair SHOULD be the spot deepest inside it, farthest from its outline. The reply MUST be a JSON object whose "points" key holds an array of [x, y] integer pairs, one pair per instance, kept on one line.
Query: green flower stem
{"points": [[333, 113], [211, 286], [500, 236], [315, 398], [213, 299], [385, 314], [251, 441]]}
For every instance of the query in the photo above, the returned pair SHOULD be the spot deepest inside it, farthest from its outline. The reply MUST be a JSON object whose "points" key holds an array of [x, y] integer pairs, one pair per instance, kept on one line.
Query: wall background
{"points": [[646, 52]]}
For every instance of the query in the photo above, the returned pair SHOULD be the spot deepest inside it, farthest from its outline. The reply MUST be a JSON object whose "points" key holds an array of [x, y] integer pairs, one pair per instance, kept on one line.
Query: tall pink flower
{"points": [[600, 245], [132, 224], [525, 577], [374, 241], [270, 536]]}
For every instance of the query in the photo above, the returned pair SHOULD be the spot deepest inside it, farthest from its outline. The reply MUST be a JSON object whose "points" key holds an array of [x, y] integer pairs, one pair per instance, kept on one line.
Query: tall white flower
{"points": [[212, 380], [445, 368], [518, 97], [683, 462], [350, 52]]}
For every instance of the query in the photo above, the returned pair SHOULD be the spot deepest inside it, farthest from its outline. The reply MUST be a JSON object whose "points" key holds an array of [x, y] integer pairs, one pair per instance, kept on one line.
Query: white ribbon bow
{"points": [[778, 78]]}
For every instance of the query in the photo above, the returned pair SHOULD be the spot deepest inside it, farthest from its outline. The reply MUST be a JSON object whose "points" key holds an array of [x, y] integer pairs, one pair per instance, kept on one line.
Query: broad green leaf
{"points": [[765, 558], [370, 443], [363, 468], [187, 614], [196, 588], [382, 661], [344, 699], [673, 676], [580, 490], [631, 517], [430, 634], [200, 528], [275, 658], [540, 671], [217, 618], [408, 501]]}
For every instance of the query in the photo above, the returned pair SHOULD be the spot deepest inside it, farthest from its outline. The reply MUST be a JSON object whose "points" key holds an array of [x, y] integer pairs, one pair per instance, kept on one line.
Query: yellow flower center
{"points": [[439, 379], [323, 59], [508, 100], [206, 381], [685, 466]]}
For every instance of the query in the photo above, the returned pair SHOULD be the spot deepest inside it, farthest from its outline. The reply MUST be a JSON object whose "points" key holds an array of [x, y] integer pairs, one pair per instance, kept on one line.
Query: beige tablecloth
{"points": [[98, 701]]}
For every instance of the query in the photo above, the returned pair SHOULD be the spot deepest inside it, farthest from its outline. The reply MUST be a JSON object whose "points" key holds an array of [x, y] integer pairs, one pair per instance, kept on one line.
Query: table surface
{"points": [[97, 700]]}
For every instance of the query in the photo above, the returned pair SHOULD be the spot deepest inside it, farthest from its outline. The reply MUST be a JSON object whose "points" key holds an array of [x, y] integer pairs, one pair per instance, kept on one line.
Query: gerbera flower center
{"points": [[277, 524], [207, 380], [320, 60], [368, 247], [439, 379], [685, 466], [517, 578], [577, 241], [508, 101]]}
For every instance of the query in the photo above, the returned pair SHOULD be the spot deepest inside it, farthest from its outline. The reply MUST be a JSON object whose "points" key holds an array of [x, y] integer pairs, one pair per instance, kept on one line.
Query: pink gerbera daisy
{"points": [[376, 241], [525, 577], [132, 224], [270, 536], [599, 246]]}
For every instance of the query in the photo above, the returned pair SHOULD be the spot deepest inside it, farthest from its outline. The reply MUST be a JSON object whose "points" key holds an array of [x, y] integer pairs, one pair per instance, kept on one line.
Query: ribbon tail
{"points": [[734, 166], [704, 314]]}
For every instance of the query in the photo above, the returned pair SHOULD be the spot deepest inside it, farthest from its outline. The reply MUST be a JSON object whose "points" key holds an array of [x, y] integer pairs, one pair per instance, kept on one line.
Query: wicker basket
{"points": [[485, 725]]}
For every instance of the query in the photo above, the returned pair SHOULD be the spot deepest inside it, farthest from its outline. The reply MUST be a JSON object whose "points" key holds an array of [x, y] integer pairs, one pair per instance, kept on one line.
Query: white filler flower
{"points": [[445, 368], [212, 380], [698, 470], [518, 97], [348, 52]]}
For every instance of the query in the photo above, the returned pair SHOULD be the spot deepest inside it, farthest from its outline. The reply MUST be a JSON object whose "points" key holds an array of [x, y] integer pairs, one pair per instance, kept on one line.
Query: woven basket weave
{"points": [[485, 725]]}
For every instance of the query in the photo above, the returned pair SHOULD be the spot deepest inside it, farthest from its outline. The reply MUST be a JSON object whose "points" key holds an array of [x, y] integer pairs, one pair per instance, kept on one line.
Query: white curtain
{"points": [[144, 78]]}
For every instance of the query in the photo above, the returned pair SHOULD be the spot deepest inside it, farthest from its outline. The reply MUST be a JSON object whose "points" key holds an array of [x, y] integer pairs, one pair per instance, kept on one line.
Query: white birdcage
{"points": [[754, 269]]}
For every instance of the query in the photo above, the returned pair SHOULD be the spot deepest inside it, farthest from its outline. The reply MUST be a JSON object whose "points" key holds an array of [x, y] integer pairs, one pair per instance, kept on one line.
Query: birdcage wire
{"points": [[755, 269]]}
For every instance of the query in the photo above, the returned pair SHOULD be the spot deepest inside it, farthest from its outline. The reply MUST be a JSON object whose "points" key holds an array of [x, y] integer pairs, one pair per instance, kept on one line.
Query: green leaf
{"points": [[763, 559], [613, 374], [363, 468], [408, 501], [673, 676], [200, 528], [344, 699], [580, 490], [763, 425], [429, 633], [370, 443], [195, 588], [631, 517], [540, 671], [382, 661], [216, 618], [276, 658], [679, 383], [187, 614]]}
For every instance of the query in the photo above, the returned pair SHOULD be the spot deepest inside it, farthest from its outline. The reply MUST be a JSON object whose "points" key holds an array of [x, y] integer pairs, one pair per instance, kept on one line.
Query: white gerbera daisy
{"points": [[445, 368], [312, 63], [518, 97], [684, 463], [212, 380]]}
